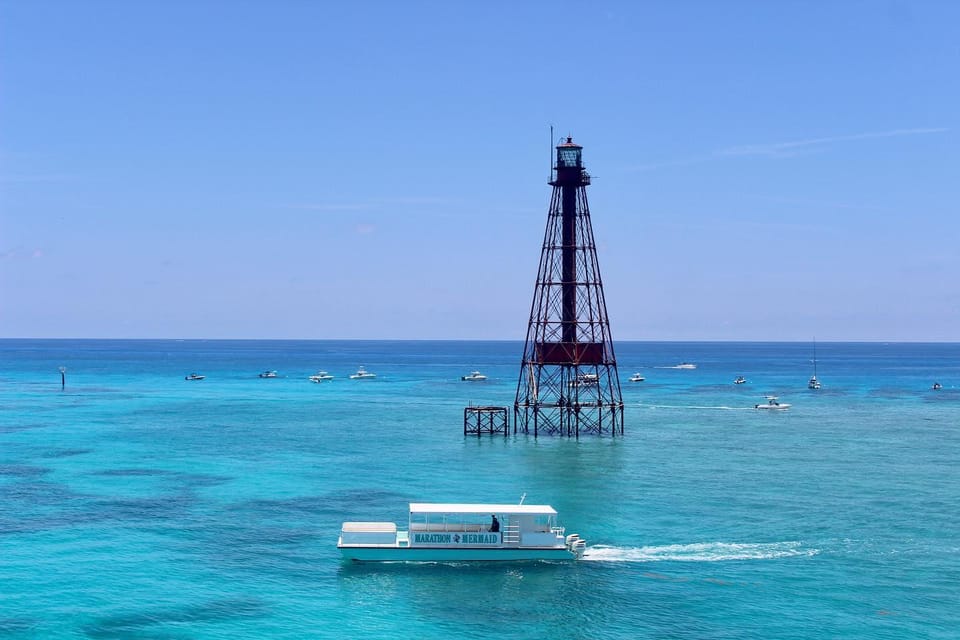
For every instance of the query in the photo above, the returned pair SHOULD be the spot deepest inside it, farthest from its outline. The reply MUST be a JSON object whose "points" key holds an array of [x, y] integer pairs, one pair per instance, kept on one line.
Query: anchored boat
{"points": [[814, 383], [585, 380], [439, 532]]}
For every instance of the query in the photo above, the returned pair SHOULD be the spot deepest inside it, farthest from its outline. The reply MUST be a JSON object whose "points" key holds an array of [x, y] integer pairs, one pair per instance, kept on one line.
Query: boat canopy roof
{"points": [[528, 509]]}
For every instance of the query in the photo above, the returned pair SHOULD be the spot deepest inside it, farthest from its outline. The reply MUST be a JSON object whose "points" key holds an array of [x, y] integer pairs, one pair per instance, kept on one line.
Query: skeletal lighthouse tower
{"points": [[568, 378]]}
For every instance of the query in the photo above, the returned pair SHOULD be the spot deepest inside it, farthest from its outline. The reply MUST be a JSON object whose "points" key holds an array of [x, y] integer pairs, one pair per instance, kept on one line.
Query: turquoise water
{"points": [[135, 504]]}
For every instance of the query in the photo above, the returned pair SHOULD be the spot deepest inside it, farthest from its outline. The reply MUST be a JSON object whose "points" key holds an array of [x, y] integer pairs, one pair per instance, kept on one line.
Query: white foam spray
{"points": [[699, 552]]}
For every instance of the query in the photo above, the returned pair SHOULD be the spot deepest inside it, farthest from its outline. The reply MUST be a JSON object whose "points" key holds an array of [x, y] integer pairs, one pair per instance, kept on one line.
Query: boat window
{"points": [[454, 521]]}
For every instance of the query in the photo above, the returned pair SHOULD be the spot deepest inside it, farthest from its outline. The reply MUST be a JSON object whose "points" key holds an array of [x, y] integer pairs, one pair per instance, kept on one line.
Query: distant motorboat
{"points": [[585, 380], [320, 376], [474, 376], [267, 374], [637, 377], [686, 365], [740, 380], [936, 385], [773, 404], [194, 376], [362, 374]]}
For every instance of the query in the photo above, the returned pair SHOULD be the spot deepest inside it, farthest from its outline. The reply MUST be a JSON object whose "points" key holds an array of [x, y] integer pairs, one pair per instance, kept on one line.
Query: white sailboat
{"points": [[813, 383]]}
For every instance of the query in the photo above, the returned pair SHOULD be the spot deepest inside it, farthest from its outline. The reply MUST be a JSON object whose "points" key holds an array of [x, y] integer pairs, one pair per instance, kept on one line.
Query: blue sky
{"points": [[762, 170]]}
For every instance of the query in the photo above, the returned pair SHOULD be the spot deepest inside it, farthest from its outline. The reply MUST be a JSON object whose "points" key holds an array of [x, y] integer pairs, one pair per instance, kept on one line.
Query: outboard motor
{"points": [[580, 547], [576, 545]]}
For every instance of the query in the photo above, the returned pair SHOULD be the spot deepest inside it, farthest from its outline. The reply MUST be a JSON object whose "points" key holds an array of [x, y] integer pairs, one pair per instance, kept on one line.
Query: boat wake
{"points": [[694, 406], [699, 552]]}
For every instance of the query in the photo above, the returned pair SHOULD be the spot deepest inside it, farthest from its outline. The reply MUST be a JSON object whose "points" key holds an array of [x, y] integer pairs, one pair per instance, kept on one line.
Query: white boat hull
{"points": [[444, 554], [456, 532]]}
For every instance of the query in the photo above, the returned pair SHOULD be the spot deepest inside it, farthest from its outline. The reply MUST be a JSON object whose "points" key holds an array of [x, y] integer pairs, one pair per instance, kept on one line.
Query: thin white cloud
{"points": [[683, 162], [14, 178], [791, 147], [373, 204], [417, 200], [820, 204], [783, 149], [332, 207], [20, 253]]}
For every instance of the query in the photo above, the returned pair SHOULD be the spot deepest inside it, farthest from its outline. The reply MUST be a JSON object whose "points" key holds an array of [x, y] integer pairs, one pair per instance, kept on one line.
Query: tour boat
{"points": [[637, 378], [268, 374], [362, 373], [320, 376], [740, 380], [772, 403], [463, 532], [194, 376], [474, 376]]}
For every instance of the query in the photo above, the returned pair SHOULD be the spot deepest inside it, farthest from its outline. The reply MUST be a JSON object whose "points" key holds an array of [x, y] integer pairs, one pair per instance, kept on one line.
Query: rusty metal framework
{"points": [[568, 382]]}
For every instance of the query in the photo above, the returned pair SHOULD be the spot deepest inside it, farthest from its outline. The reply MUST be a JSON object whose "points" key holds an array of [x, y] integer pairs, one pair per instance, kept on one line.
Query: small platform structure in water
{"points": [[441, 532], [480, 420]]}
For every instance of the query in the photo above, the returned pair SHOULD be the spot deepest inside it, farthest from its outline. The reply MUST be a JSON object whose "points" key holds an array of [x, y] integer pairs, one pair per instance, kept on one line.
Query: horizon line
{"points": [[518, 340]]}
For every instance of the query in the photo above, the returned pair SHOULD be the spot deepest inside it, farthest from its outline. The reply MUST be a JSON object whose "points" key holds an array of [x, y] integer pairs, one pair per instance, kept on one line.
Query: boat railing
{"points": [[511, 534], [454, 527]]}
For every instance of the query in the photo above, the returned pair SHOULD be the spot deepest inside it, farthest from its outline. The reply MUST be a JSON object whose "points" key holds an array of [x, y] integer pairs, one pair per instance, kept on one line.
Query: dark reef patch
{"points": [[65, 453], [138, 625], [23, 470]]}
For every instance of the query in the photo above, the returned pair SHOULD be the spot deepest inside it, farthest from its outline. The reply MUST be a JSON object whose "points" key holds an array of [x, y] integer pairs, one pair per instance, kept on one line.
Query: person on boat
{"points": [[494, 524]]}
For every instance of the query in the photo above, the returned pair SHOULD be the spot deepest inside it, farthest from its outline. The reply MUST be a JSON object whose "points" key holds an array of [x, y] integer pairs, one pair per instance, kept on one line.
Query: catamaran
{"points": [[442, 532]]}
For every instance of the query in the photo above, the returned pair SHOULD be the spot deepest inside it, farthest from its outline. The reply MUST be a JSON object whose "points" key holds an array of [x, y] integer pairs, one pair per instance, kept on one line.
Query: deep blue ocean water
{"points": [[135, 504]]}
